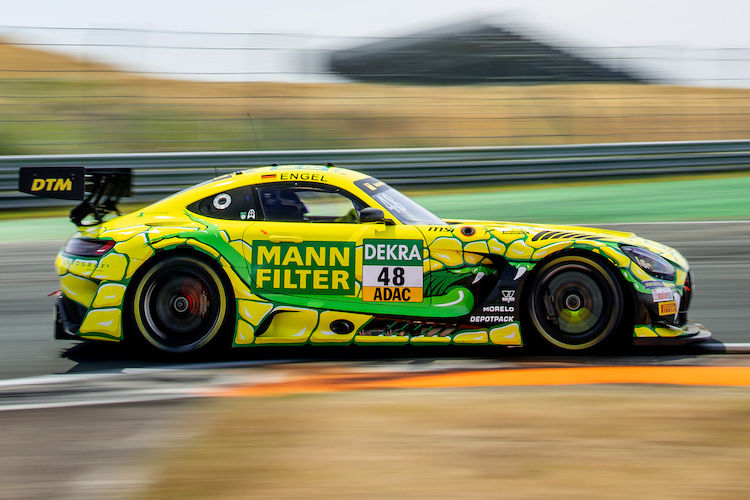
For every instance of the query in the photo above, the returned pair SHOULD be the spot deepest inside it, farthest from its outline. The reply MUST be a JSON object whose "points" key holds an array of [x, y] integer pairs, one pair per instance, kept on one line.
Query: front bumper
{"points": [[670, 335]]}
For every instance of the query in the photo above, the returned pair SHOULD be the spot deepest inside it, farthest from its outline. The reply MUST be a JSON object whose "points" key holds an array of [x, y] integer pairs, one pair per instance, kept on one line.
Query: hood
{"points": [[555, 233]]}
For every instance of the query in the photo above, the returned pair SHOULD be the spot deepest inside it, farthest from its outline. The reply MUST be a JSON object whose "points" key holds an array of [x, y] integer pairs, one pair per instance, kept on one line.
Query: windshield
{"points": [[403, 208]]}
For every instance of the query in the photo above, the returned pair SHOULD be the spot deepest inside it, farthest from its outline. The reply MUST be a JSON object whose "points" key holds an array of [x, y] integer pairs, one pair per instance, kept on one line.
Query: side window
{"points": [[289, 203], [233, 204]]}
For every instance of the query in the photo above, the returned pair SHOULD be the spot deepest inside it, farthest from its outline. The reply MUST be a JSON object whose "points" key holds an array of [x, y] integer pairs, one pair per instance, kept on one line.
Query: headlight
{"points": [[653, 264]]}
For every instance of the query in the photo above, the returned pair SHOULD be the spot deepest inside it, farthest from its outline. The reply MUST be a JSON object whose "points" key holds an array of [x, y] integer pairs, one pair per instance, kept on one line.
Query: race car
{"points": [[321, 255]]}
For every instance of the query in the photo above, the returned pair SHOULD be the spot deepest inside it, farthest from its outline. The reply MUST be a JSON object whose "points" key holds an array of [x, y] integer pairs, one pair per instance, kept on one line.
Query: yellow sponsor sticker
{"points": [[391, 294], [316, 267], [667, 308]]}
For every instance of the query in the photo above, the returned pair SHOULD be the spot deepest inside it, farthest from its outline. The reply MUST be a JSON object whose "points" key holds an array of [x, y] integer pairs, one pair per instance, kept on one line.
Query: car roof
{"points": [[340, 177], [323, 175], [344, 174]]}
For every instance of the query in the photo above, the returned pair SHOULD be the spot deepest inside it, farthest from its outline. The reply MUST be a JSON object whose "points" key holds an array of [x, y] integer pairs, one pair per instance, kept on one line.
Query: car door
{"points": [[311, 250]]}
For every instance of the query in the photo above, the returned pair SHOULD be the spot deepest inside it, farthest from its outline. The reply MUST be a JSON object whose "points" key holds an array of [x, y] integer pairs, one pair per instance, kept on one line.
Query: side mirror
{"points": [[371, 214]]}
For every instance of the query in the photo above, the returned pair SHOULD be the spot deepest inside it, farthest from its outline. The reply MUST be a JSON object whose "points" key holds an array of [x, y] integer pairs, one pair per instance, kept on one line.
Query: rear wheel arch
{"points": [[202, 268]]}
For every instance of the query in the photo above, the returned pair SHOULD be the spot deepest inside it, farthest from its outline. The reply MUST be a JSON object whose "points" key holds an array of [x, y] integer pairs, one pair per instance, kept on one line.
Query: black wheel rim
{"points": [[180, 307], [574, 305]]}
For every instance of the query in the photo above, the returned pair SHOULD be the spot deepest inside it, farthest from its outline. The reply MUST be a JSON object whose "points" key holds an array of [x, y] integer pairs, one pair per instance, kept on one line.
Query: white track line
{"points": [[82, 377], [144, 398], [719, 348], [56, 379]]}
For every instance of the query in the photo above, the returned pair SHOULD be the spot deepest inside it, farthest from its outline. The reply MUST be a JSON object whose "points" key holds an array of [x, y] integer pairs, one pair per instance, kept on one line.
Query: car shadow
{"points": [[98, 356], [91, 356]]}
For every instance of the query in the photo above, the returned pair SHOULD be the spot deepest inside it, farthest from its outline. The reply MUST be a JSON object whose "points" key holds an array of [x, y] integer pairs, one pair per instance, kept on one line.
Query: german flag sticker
{"points": [[268, 176]]}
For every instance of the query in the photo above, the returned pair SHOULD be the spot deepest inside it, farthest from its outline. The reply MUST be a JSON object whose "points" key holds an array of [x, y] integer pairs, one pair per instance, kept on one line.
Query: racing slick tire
{"points": [[180, 305], [576, 303]]}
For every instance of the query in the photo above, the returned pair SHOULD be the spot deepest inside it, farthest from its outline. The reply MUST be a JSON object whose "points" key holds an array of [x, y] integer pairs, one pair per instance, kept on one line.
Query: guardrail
{"points": [[159, 174]]}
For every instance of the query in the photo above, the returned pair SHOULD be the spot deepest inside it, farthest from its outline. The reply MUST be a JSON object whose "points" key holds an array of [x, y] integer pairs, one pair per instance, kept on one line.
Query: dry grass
{"points": [[22, 62], [586, 442], [53, 100]]}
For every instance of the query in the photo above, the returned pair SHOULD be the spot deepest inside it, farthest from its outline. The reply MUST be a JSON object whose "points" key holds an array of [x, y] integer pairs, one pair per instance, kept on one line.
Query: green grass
{"points": [[699, 198]]}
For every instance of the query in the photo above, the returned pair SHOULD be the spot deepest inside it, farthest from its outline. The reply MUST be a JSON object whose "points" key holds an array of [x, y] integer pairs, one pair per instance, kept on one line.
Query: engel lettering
{"points": [[303, 177]]}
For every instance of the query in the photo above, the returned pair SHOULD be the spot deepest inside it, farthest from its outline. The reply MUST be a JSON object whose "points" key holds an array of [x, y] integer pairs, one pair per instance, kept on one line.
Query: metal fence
{"points": [[159, 174]]}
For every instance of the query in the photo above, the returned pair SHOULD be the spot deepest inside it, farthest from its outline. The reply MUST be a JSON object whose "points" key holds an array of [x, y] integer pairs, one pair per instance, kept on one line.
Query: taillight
{"points": [[87, 247]]}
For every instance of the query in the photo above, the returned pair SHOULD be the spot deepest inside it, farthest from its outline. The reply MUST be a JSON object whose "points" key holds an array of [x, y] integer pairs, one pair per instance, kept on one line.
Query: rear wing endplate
{"points": [[98, 188]]}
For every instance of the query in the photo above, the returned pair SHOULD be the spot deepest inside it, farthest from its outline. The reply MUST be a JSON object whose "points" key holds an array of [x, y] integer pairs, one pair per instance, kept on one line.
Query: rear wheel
{"points": [[576, 304], [180, 305]]}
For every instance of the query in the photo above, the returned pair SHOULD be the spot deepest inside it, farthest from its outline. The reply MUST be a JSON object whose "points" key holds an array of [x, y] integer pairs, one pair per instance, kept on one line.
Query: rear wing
{"points": [[98, 188]]}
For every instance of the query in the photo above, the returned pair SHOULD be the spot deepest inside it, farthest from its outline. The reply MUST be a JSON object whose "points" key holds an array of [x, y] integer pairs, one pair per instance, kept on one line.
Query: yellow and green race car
{"points": [[292, 255]]}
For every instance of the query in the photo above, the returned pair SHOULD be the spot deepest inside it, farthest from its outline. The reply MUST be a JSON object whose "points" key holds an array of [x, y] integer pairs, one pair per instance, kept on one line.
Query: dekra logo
{"points": [[396, 252]]}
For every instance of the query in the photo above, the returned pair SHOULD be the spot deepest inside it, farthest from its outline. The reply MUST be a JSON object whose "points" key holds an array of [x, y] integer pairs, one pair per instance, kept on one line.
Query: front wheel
{"points": [[180, 304], [576, 304]]}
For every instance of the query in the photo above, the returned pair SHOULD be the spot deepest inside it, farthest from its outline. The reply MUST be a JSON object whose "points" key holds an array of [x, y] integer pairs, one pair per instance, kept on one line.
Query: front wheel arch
{"points": [[618, 335]]}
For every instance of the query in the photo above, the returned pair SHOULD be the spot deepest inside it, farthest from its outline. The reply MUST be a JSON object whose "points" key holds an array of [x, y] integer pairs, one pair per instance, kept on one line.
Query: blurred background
{"points": [[88, 78]]}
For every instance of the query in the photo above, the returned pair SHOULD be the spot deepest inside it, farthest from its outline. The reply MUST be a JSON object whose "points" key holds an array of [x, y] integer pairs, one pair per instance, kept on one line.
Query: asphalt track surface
{"points": [[717, 252]]}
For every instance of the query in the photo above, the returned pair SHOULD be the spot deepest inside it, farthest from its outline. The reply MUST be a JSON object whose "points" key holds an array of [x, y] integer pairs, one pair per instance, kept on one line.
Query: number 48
{"points": [[398, 276]]}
